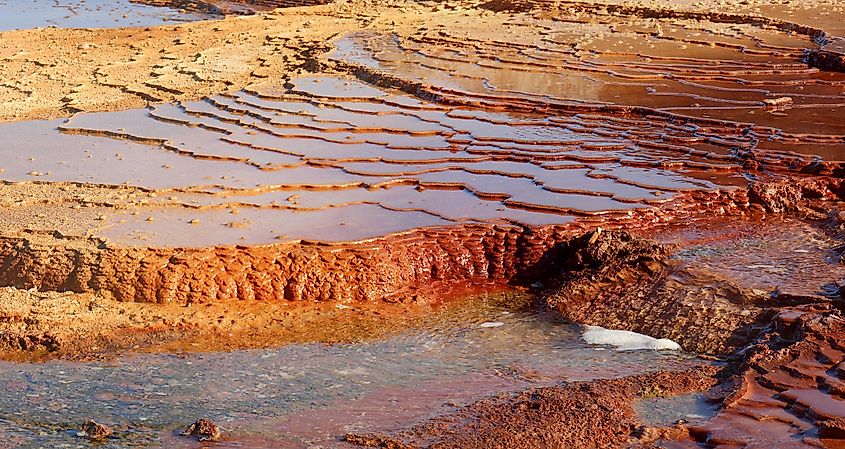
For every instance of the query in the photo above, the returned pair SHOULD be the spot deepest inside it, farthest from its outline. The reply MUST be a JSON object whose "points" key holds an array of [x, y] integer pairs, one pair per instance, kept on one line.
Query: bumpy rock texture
{"points": [[617, 281], [790, 381], [203, 430], [96, 431], [577, 414]]}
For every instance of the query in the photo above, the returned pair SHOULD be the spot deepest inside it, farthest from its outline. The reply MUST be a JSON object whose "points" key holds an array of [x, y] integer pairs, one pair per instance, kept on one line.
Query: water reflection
{"points": [[26, 14], [307, 393]]}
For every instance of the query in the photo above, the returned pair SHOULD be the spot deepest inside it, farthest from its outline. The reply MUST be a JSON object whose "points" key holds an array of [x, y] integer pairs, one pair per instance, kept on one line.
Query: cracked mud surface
{"points": [[352, 165]]}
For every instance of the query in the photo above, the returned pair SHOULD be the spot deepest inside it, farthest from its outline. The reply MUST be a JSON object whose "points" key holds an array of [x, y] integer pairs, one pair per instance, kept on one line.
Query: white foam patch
{"points": [[626, 340], [490, 324]]}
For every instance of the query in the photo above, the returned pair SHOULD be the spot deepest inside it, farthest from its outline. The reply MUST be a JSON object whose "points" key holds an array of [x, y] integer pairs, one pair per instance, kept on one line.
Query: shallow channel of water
{"points": [[309, 395]]}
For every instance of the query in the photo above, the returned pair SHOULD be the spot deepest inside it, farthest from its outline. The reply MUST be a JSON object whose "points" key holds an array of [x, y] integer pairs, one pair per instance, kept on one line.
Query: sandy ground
{"points": [[55, 72]]}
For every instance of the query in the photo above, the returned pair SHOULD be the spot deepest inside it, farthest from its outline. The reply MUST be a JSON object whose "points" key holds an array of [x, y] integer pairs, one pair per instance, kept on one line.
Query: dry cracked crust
{"points": [[124, 68]]}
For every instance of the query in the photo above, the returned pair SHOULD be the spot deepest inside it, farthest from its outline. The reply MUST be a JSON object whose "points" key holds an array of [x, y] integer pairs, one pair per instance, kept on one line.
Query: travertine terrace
{"points": [[285, 158]]}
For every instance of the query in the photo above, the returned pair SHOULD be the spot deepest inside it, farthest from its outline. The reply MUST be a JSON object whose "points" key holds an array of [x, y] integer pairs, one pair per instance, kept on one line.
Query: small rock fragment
{"points": [[203, 430], [95, 431], [778, 102], [833, 429], [595, 236]]}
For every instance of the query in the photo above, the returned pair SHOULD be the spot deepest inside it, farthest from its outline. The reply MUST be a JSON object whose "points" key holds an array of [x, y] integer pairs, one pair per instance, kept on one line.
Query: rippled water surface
{"points": [[307, 395], [25, 14]]}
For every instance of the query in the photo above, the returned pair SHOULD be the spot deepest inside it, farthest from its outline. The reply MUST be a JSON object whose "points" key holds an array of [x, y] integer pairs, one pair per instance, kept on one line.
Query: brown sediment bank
{"points": [[577, 414], [782, 391]]}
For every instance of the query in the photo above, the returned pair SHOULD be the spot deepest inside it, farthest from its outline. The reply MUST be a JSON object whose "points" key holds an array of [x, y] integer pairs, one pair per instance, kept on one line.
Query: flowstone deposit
{"points": [[779, 385], [338, 172]]}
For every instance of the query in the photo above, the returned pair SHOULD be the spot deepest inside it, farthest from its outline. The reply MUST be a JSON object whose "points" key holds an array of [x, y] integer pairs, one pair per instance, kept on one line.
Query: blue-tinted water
{"points": [[307, 395], [26, 14]]}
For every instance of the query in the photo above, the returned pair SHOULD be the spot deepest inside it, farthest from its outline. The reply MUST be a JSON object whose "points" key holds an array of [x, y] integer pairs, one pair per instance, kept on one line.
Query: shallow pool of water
{"points": [[308, 395], [692, 408], [26, 14], [336, 160]]}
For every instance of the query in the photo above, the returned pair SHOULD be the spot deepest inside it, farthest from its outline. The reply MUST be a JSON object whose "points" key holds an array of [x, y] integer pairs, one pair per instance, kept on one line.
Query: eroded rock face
{"points": [[383, 268], [599, 253], [831, 56], [377, 270], [808, 195], [615, 280]]}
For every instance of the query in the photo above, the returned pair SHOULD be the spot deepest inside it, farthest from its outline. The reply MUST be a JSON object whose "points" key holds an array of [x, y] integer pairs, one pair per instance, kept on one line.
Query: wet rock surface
{"points": [[635, 288], [788, 379], [583, 414], [203, 430], [95, 431], [779, 386], [710, 298]]}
